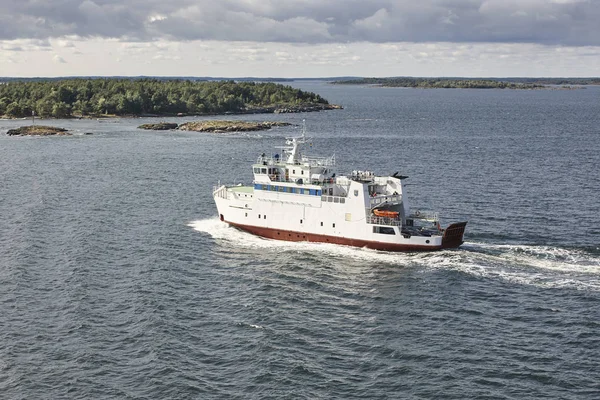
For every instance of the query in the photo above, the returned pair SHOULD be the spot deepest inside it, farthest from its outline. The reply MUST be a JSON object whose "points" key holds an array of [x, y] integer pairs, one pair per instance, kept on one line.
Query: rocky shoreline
{"points": [[215, 126], [37, 130], [276, 109], [161, 126]]}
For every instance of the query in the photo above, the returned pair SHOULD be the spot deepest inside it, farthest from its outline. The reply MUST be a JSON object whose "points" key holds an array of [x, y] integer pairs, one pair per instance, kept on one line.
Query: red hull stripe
{"points": [[292, 236]]}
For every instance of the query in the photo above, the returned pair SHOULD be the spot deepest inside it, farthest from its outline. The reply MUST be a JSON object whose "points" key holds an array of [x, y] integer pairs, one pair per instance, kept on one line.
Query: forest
{"points": [[133, 97]]}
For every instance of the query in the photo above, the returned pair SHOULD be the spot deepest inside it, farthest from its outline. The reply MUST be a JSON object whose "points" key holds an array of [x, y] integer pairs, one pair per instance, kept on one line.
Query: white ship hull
{"points": [[287, 216]]}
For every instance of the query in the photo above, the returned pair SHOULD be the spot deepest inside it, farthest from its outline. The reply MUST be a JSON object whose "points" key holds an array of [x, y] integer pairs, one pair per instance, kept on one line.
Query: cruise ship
{"points": [[299, 198]]}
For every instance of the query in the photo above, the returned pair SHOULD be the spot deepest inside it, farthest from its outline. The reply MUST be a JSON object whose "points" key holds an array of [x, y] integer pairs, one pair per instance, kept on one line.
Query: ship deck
{"points": [[242, 189]]}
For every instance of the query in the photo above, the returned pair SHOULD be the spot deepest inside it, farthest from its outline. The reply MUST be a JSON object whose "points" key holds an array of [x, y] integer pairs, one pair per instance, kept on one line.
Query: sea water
{"points": [[118, 281]]}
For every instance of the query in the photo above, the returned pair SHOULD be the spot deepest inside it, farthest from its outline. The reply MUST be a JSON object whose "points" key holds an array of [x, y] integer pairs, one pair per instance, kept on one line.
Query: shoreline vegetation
{"points": [[473, 83], [115, 97]]}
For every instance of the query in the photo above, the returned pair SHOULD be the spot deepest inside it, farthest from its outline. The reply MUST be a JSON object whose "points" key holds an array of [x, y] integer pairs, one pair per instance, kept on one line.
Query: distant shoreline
{"points": [[474, 83]]}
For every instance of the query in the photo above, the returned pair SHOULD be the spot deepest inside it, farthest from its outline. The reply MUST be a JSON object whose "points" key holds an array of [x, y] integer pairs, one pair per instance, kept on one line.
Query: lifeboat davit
{"points": [[386, 213]]}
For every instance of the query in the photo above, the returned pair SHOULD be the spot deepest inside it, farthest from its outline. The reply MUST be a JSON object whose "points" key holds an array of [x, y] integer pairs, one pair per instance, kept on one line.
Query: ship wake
{"points": [[542, 266]]}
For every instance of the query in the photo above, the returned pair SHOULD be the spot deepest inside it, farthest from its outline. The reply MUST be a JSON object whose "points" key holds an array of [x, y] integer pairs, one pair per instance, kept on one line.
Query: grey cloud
{"points": [[562, 22]]}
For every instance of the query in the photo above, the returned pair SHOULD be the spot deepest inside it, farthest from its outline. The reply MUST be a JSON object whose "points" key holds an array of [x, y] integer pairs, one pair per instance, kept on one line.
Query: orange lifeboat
{"points": [[384, 213]]}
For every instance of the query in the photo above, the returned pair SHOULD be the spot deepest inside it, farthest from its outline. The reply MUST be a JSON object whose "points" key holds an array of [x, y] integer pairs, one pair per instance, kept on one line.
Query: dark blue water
{"points": [[117, 280]]}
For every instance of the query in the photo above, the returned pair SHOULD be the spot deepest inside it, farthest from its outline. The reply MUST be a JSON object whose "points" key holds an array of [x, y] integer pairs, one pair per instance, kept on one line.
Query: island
{"points": [[116, 97], [440, 83], [37, 130], [217, 126], [160, 126]]}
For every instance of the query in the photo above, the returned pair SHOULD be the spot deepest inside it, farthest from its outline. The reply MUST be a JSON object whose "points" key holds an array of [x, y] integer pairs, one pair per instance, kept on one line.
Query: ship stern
{"points": [[453, 235]]}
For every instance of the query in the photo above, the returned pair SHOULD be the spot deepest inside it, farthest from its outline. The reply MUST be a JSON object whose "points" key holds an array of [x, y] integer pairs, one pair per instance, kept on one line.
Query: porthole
{"points": [[427, 241]]}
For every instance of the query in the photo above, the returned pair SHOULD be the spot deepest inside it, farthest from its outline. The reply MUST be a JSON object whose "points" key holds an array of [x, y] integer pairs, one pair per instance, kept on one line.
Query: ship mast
{"points": [[293, 151]]}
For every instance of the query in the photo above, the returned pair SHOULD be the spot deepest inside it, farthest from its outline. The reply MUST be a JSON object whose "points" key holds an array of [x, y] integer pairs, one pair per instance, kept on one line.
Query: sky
{"points": [[303, 39]]}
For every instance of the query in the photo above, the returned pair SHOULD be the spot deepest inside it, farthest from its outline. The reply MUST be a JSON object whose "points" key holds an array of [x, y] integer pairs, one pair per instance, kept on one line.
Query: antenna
{"points": [[303, 127]]}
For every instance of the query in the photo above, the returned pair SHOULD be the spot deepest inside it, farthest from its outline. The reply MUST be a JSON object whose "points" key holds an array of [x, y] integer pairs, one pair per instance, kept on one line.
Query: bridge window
{"points": [[263, 171]]}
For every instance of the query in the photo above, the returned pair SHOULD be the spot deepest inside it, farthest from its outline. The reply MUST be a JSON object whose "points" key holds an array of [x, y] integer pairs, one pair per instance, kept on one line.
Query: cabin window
{"points": [[246, 214], [265, 216], [343, 200], [257, 186], [334, 224], [258, 216], [256, 170], [294, 171], [281, 188], [300, 221], [302, 172], [263, 171], [301, 191], [356, 192], [385, 230], [321, 223], [264, 187], [336, 199]]}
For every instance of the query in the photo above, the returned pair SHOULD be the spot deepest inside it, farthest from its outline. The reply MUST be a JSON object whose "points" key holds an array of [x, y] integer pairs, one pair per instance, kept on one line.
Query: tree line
{"points": [[91, 97], [462, 83]]}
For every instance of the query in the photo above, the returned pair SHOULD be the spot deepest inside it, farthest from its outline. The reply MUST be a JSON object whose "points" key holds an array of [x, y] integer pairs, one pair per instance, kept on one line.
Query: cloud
{"points": [[550, 22], [58, 59]]}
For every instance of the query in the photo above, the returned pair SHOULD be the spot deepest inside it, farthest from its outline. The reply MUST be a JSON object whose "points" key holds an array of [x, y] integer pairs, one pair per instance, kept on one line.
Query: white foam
{"points": [[222, 231], [541, 266]]}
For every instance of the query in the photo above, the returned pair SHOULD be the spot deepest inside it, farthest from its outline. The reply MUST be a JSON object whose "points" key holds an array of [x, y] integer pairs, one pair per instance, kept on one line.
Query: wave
{"points": [[543, 266]]}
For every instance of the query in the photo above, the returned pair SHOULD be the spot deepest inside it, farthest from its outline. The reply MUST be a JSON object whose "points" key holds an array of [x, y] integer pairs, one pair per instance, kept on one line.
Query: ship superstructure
{"points": [[300, 198]]}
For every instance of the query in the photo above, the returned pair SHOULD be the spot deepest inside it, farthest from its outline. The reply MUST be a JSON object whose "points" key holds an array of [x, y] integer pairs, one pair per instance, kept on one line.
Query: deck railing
{"points": [[373, 219]]}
